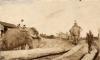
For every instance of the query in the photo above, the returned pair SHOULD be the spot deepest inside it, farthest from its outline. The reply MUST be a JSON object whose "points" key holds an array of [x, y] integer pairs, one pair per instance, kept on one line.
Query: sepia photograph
{"points": [[49, 29]]}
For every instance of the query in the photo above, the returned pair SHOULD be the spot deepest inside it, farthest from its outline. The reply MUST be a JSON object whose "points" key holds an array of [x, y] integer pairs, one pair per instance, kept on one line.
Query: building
{"points": [[8, 25]]}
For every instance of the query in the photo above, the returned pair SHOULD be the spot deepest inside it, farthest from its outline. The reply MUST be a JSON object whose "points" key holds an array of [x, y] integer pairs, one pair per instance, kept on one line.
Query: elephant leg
{"points": [[89, 47], [75, 40], [23, 47], [30, 45]]}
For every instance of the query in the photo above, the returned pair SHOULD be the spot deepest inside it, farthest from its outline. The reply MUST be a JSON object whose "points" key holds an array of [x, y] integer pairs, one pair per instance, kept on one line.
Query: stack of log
{"points": [[43, 52]]}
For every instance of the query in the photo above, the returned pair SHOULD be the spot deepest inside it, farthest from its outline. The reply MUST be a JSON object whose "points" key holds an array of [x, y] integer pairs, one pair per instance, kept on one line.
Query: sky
{"points": [[52, 16]]}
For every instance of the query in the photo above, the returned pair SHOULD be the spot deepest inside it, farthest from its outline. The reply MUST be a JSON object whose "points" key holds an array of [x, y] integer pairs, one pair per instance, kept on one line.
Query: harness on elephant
{"points": [[75, 31]]}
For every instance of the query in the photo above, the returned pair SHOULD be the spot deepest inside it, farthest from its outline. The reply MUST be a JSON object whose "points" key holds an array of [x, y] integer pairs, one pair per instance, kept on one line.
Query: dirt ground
{"points": [[51, 43]]}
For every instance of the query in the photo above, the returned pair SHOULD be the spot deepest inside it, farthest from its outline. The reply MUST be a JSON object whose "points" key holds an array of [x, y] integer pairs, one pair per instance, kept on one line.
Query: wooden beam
{"points": [[30, 54]]}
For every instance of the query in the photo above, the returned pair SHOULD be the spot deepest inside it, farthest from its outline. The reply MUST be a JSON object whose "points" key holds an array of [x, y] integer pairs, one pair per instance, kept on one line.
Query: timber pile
{"points": [[42, 53], [30, 54], [69, 53]]}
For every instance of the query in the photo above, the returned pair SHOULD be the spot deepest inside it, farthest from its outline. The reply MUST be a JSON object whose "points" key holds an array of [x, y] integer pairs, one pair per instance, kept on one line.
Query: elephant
{"points": [[14, 38]]}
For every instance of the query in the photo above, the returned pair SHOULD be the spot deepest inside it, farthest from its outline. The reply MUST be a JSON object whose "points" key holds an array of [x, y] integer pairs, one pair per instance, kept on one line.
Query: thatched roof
{"points": [[9, 25]]}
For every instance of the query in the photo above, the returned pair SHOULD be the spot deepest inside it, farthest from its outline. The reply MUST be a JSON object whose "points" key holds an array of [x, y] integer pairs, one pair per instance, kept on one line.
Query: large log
{"points": [[90, 56], [30, 54], [69, 53]]}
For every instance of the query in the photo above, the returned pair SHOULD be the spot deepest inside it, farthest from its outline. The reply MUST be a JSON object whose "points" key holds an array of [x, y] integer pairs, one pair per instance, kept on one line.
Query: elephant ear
{"points": [[34, 30]]}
